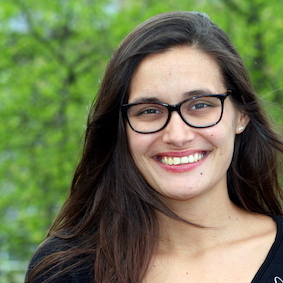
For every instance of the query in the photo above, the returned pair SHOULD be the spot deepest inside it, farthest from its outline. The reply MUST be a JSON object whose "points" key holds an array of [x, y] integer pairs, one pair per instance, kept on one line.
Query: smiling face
{"points": [[180, 162]]}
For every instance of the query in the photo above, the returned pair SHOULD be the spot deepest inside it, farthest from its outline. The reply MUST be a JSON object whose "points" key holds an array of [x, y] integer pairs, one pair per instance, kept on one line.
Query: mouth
{"points": [[189, 159]]}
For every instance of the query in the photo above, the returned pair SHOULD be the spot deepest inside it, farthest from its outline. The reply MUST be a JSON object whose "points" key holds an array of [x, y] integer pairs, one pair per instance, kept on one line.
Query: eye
{"points": [[139, 110], [149, 111], [200, 105]]}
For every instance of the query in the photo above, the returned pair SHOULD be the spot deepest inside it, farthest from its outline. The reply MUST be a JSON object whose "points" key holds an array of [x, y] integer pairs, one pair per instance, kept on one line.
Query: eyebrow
{"points": [[185, 95], [146, 100], [197, 92]]}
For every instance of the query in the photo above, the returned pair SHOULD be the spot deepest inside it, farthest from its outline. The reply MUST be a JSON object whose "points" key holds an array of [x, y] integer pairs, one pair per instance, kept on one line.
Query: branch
{"points": [[45, 42], [232, 5]]}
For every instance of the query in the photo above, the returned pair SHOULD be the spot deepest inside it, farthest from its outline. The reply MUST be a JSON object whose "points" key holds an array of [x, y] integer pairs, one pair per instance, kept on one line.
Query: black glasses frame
{"points": [[176, 107]]}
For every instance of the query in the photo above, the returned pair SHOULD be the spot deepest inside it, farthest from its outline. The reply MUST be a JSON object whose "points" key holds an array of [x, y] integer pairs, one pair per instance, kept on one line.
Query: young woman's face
{"points": [[201, 155]]}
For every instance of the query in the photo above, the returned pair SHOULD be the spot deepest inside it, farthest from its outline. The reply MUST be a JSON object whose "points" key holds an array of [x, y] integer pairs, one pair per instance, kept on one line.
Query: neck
{"points": [[216, 220]]}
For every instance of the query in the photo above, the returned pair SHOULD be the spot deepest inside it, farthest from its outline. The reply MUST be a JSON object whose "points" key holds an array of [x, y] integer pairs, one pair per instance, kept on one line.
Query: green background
{"points": [[53, 55]]}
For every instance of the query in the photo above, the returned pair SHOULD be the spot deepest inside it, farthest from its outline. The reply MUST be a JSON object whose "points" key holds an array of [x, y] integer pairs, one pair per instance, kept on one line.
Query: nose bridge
{"points": [[176, 119], [177, 131], [173, 109]]}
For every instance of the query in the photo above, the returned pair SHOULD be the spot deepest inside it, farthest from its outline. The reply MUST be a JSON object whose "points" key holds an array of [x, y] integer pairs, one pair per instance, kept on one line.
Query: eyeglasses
{"points": [[198, 112]]}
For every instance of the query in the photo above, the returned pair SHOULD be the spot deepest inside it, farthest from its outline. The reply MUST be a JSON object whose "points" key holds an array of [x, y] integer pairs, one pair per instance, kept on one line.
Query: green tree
{"points": [[53, 55]]}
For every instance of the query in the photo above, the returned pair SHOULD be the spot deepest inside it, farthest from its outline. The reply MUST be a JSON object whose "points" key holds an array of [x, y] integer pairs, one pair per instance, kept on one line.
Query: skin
{"points": [[167, 77], [236, 242]]}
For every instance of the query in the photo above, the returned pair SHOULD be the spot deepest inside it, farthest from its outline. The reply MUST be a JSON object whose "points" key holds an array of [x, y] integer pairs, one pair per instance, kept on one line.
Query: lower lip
{"points": [[181, 168]]}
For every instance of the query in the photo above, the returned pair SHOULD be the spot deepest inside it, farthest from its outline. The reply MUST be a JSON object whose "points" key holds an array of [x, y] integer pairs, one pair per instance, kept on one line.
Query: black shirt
{"points": [[83, 272], [271, 270]]}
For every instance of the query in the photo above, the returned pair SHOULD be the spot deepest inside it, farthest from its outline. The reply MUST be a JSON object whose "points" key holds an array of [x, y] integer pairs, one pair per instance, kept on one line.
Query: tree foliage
{"points": [[53, 55]]}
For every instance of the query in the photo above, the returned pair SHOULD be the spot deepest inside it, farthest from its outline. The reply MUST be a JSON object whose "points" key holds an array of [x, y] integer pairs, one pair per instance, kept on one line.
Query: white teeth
{"points": [[185, 160], [191, 158], [182, 160], [176, 160], [168, 160]]}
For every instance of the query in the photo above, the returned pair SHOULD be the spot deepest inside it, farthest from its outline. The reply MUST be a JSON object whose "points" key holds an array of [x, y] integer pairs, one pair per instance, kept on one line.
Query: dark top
{"points": [[82, 272], [271, 270]]}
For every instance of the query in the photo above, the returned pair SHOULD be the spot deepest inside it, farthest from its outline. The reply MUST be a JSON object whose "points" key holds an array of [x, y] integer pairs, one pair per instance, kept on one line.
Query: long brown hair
{"points": [[110, 213]]}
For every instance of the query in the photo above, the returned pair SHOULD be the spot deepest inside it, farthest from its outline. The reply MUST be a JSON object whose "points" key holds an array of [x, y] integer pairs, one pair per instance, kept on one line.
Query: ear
{"points": [[243, 121]]}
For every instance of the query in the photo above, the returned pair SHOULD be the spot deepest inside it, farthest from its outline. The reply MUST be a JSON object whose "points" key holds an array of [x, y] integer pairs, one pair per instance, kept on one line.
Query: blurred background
{"points": [[53, 55]]}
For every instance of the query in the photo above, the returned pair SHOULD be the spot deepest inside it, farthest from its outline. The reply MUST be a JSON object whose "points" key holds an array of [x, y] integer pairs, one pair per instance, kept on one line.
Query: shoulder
{"points": [[278, 244], [272, 268], [278, 220], [49, 247], [58, 259]]}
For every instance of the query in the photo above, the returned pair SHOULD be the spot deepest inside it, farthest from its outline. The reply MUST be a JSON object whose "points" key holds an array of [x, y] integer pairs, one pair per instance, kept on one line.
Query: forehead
{"points": [[174, 72]]}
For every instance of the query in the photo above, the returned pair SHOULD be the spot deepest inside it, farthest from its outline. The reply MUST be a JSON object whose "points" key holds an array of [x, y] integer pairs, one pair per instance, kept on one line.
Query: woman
{"points": [[178, 181]]}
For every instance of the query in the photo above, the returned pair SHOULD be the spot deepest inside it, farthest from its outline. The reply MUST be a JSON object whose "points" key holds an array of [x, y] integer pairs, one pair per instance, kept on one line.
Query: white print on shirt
{"points": [[278, 280]]}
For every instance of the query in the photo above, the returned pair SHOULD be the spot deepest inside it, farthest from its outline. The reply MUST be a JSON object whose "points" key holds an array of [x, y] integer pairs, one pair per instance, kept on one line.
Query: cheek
{"points": [[222, 137], [137, 143], [133, 141]]}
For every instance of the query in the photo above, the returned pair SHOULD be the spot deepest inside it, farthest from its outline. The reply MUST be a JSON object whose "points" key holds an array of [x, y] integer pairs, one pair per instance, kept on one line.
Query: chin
{"points": [[180, 195]]}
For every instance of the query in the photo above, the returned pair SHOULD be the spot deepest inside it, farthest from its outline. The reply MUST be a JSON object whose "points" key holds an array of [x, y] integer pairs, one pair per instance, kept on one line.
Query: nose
{"points": [[177, 132]]}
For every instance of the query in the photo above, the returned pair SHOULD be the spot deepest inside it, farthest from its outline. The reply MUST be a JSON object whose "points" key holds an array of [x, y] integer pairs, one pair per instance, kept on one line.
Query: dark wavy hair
{"points": [[110, 213]]}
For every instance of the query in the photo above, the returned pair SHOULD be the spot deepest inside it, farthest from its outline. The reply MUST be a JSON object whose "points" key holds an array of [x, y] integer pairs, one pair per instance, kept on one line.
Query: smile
{"points": [[182, 160]]}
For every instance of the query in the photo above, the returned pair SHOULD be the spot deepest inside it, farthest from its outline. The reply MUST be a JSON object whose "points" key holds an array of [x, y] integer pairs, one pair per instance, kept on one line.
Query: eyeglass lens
{"points": [[202, 111]]}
